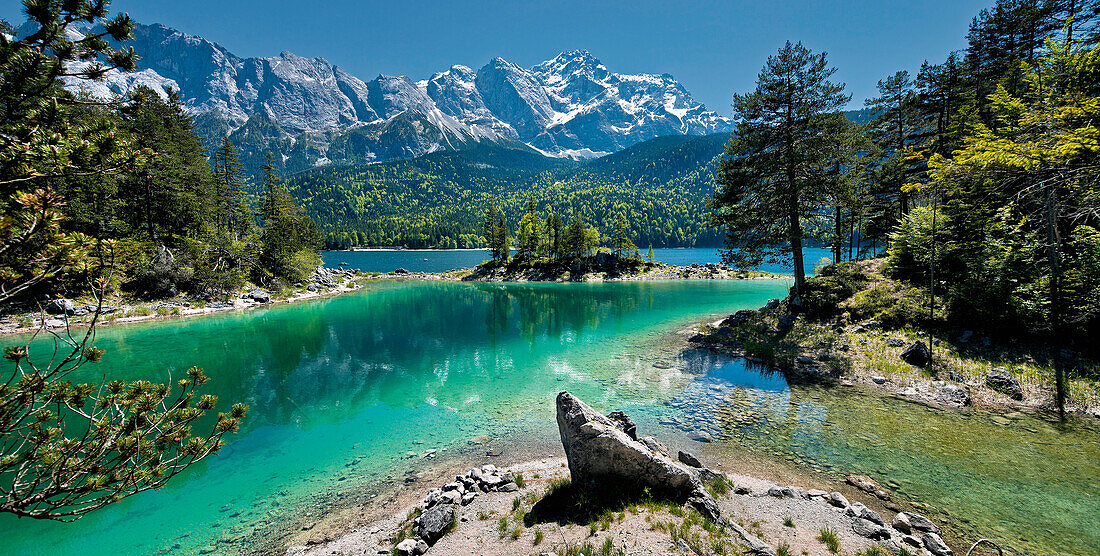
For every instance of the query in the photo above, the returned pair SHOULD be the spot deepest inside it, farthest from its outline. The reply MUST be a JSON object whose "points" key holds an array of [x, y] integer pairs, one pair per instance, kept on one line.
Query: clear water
{"points": [[440, 260], [343, 390]]}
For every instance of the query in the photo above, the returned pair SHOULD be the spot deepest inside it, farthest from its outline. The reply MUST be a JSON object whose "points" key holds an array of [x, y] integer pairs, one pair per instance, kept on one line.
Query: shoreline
{"points": [[183, 309]]}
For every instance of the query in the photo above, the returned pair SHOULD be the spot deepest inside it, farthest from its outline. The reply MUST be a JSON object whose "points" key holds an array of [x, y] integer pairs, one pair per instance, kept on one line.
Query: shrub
{"points": [[827, 290]]}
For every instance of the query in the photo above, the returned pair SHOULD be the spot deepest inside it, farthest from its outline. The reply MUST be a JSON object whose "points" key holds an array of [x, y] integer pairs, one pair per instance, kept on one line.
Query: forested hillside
{"points": [[661, 186]]}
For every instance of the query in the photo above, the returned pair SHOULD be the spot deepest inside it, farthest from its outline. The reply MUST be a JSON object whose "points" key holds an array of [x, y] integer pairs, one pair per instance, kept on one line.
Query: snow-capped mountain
{"points": [[312, 112]]}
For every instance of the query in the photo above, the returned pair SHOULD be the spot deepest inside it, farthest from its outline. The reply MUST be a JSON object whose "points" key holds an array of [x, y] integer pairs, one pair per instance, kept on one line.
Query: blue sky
{"points": [[713, 48]]}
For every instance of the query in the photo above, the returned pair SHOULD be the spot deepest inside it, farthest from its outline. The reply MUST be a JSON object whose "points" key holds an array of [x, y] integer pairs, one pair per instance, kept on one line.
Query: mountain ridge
{"points": [[568, 106]]}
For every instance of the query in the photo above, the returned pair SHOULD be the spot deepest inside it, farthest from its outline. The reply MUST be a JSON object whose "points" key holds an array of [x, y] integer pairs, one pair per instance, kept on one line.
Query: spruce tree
{"points": [[769, 178]]}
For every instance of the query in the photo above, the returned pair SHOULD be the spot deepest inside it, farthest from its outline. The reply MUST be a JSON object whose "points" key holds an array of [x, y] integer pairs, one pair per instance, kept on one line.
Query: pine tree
{"points": [[620, 241], [289, 239], [769, 178], [530, 236], [232, 212]]}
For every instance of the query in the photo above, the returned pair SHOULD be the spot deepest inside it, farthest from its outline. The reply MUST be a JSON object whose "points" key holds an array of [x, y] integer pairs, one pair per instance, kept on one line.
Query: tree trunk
{"points": [[836, 241], [796, 246], [1055, 264]]}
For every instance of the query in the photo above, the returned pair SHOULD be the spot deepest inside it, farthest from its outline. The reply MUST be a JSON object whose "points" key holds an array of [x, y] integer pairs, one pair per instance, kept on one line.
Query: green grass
{"points": [[783, 549], [502, 526], [520, 482], [719, 486], [538, 537], [829, 538], [788, 522]]}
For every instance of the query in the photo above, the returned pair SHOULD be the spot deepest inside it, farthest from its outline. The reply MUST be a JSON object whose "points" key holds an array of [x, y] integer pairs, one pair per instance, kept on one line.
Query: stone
{"points": [[895, 342], [742, 490], [407, 547], [401, 271], [654, 444], [508, 487], [435, 521], [468, 497], [450, 497], [453, 486], [934, 544], [771, 304], [918, 522], [688, 459], [999, 380], [259, 296], [949, 394], [60, 307], [878, 379], [816, 493], [863, 482], [601, 455], [916, 354], [624, 423], [965, 336], [860, 511], [837, 499], [740, 317], [901, 523], [475, 474], [865, 528]]}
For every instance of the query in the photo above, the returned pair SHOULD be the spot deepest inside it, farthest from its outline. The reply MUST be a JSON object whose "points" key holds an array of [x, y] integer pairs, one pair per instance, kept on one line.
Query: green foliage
{"points": [[289, 238], [834, 284], [438, 200], [772, 176], [719, 486]]}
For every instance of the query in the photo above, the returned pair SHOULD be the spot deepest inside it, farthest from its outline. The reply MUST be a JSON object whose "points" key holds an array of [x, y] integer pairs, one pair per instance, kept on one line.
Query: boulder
{"points": [[870, 530], [858, 510], [742, 316], [61, 307], [915, 522], [837, 499], [409, 547], [1001, 381], [600, 454], [895, 342], [688, 459], [934, 544], [949, 394], [916, 354], [259, 296], [435, 521], [401, 271]]}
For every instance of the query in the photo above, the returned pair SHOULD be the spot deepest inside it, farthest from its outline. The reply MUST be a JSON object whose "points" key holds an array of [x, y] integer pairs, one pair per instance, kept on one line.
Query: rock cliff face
{"points": [[571, 105]]}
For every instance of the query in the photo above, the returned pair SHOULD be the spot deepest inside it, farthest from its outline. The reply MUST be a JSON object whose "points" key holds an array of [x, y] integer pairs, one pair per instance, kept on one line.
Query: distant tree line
{"points": [[547, 239]]}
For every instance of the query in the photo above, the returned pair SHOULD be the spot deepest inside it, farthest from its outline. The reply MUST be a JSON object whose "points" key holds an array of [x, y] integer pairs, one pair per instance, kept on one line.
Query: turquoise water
{"points": [[440, 260], [349, 393], [342, 389]]}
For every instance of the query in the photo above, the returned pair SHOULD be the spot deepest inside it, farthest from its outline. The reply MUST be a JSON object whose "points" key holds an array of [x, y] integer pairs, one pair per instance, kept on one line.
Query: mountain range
{"points": [[312, 113]]}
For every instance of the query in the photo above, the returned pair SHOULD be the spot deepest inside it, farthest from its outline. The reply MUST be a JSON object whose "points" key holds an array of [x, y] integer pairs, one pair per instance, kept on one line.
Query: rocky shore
{"points": [[61, 314], [618, 493], [968, 369], [650, 271]]}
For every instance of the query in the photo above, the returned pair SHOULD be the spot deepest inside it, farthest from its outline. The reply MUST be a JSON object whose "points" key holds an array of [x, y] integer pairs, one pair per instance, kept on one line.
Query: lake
{"points": [[351, 392], [441, 260]]}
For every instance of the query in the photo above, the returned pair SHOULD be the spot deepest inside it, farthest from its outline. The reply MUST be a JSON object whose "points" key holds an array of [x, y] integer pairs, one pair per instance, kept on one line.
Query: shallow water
{"points": [[348, 392]]}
